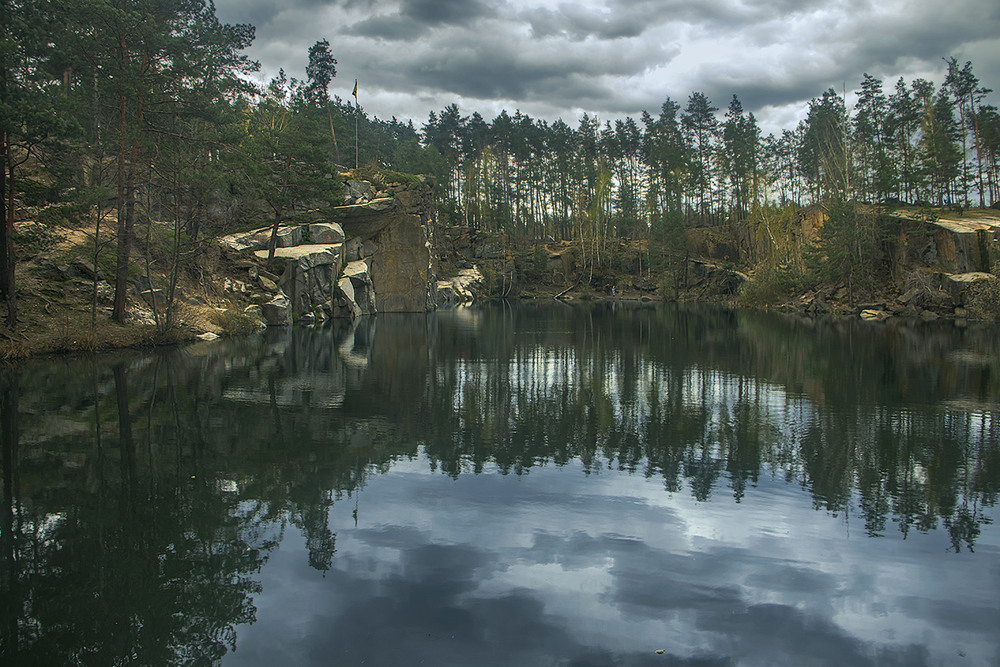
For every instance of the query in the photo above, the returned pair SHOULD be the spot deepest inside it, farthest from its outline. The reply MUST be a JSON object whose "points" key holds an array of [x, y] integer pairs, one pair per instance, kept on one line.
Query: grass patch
{"points": [[234, 323]]}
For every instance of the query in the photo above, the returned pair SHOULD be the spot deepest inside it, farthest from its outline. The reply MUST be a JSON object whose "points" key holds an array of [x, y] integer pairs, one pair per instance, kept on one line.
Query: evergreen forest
{"points": [[122, 112]]}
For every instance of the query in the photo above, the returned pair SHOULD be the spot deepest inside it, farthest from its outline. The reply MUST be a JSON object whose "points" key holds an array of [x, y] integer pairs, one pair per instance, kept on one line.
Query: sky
{"points": [[616, 58]]}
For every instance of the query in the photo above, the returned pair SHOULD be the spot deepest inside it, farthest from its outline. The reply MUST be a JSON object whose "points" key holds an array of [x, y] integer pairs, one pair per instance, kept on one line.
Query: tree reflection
{"points": [[715, 395], [141, 498], [149, 565]]}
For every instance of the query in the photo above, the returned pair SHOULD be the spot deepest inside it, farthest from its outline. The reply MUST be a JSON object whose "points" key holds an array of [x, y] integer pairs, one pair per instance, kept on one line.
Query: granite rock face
{"points": [[460, 289], [277, 312], [326, 232], [309, 277], [373, 255], [392, 233]]}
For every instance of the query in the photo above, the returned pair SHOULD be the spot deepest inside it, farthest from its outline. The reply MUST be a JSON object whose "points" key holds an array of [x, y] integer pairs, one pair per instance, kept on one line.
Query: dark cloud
{"points": [[634, 18], [618, 57], [782, 634], [263, 12], [447, 12], [430, 604], [429, 610], [415, 18], [577, 23], [489, 68], [391, 27]]}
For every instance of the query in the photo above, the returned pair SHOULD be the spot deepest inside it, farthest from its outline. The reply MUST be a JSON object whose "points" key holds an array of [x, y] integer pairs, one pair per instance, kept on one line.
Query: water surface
{"points": [[510, 485]]}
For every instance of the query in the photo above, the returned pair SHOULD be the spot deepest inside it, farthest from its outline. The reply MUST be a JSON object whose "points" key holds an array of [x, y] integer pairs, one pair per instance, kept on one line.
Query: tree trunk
{"points": [[7, 257], [126, 210], [272, 241]]}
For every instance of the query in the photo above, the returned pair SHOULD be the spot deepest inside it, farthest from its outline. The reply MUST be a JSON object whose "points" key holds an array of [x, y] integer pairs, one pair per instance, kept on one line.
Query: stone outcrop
{"points": [[459, 289], [375, 255], [326, 232], [277, 312], [950, 246], [958, 286], [309, 277], [359, 276], [392, 230]]}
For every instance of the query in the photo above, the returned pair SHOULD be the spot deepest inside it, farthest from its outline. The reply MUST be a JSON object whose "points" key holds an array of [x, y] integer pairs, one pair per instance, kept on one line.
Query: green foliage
{"points": [[491, 278], [769, 285], [849, 249], [539, 259], [824, 154], [668, 243]]}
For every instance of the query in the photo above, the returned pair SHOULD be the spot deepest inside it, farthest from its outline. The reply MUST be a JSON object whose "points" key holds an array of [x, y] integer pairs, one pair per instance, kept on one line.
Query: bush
{"points": [[984, 299], [539, 259], [234, 323], [768, 286]]}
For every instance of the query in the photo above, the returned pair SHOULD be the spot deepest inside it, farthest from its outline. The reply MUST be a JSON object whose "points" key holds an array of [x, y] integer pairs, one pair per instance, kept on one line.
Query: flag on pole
{"points": [[355, 93]]}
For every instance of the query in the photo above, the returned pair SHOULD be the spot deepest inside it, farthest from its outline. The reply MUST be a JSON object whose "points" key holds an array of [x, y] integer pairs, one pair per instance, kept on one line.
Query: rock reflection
{"points": [[143, 495]]}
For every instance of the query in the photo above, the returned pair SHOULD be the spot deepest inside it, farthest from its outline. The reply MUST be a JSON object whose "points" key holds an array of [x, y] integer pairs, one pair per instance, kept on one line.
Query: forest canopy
{"points": [[127, 111]]}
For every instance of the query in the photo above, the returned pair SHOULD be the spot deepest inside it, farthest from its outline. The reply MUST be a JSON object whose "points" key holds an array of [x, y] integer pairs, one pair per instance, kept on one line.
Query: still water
{"points": [[510, 485]]}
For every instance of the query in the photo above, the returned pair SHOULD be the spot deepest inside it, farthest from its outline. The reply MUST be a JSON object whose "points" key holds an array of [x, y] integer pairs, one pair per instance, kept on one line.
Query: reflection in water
{"points": [[143, 495]]}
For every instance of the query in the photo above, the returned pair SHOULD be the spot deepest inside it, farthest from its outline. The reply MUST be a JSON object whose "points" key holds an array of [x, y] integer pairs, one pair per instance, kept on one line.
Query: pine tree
{"points": [[700, 127], [874, 170]]}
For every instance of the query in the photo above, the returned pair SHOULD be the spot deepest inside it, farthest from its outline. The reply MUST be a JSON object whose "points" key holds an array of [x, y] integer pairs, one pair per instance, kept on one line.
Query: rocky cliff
{"points": [[374, 254]]}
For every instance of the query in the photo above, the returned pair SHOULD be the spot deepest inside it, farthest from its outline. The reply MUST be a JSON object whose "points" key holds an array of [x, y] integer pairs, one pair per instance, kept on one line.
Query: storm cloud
{"points": [[612, 58]]}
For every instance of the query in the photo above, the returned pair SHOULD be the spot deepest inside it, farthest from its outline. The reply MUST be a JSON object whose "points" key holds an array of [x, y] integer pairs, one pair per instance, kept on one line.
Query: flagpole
{"points": [[355, 123]]}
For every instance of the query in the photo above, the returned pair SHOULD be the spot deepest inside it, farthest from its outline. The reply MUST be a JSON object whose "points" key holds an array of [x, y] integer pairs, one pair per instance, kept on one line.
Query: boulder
{"points": [[82, 269], [346, 305], [256, 312], [873, 314], [235, 286], [957, 284], [267, 284], [359, 274], [459, 289], [288, 237], [359, 191], [326, 232], [155, 298], [352, 249], [278, 311], [258, 239], [310, 274], [366, 220]]}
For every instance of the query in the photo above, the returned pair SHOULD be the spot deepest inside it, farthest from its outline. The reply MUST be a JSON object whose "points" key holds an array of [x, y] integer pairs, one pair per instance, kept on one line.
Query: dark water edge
{"points": [[511, 484]]}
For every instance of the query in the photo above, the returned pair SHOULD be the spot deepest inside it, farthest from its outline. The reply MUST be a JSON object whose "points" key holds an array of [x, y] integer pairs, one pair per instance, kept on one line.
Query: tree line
{"points": [[126, 112], [920, 143]]}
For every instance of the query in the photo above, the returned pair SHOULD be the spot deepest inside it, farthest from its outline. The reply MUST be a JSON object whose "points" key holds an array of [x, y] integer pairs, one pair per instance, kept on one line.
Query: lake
{"points": [[512, 484]]}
